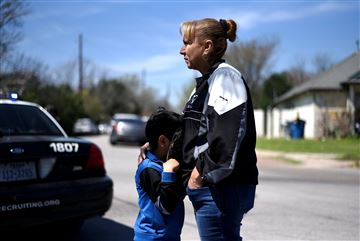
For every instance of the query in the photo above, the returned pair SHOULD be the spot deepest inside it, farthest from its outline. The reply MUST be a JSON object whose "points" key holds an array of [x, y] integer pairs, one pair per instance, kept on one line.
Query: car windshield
{"points": [[25, 120]]}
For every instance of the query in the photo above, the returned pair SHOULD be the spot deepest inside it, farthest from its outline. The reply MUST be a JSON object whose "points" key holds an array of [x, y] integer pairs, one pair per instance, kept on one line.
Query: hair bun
{"points": [[224, 25]]}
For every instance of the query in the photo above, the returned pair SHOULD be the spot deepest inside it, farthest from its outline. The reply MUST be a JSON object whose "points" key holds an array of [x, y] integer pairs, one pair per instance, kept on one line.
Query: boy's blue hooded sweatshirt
{"points": [[151, 224]]}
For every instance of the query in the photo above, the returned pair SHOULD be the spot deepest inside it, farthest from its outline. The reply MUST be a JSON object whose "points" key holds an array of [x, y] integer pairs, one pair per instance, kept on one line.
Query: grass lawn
{"points": [[347, 149]]}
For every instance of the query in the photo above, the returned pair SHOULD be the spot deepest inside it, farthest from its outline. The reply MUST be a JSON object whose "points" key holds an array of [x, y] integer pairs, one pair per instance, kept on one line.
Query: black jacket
{"points": [[219, 134]]}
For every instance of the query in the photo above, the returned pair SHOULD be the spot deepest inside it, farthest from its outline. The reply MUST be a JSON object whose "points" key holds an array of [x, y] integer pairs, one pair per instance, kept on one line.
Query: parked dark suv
{"points": [[128, 128]]}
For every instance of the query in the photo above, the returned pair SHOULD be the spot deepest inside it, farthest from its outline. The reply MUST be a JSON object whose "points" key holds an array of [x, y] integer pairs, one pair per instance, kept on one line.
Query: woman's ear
{"points": [[208, 46]]}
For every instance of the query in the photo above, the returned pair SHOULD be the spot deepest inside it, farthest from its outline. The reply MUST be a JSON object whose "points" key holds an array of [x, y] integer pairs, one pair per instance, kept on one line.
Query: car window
{"points": [[131, 121], [25, 120], [84, 121]]}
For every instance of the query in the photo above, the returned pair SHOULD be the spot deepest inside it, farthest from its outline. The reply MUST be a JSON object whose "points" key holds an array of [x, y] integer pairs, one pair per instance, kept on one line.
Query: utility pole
{"points": [[80, 64], [143, 80]]}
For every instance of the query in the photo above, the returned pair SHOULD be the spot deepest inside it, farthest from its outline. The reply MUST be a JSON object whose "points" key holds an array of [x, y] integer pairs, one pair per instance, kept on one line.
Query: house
{"points": [[329, 103]]}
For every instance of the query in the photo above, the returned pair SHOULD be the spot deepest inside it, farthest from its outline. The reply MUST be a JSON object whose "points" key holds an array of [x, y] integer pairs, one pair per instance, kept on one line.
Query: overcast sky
{"points": [[133, 37]]}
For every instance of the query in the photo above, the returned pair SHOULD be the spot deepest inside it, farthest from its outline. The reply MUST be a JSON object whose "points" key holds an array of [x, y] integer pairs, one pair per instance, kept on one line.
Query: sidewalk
{"points": [[301, 160]]}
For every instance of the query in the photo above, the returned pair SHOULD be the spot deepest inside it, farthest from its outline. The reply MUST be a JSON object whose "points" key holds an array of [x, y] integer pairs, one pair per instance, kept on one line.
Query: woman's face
{"points": [[193, 51]]}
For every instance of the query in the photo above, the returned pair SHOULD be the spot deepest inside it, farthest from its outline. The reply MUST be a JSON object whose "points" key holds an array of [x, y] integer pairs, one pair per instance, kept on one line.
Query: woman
{"points": [[219, 136]]}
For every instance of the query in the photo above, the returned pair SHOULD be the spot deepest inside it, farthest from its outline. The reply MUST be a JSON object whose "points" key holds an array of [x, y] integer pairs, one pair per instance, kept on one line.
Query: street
{"points": [[291, 203]]}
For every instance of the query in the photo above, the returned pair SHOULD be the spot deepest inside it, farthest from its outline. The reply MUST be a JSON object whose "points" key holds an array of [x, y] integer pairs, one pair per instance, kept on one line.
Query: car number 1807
{"points": [[64, 147]]}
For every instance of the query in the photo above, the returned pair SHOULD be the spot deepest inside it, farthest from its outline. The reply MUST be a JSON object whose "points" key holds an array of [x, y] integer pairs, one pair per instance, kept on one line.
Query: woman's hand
{"points": [[195, 180], [143, 149]]}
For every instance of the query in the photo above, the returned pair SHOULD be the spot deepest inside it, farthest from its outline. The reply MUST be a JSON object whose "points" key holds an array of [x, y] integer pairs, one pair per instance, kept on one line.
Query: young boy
{"points": [[158, 183]]}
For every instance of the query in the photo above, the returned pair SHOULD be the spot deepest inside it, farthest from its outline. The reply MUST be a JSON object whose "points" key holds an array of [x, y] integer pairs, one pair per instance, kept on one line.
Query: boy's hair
{"points": [[161, 122]]}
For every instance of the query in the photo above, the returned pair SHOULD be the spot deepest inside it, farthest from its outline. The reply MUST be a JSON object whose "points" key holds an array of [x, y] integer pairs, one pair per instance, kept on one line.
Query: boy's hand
{"points": [[171, 165]]}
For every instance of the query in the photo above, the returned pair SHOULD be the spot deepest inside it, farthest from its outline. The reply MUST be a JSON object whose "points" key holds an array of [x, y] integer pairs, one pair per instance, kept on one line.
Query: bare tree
{"points": [[185, 94], [333, 124], [322, 62], [21, 72], [298, 74], [252, 58], [11, 13], [68, 73]]}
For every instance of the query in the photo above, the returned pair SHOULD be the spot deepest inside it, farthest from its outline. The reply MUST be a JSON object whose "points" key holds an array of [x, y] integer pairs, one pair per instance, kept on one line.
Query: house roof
{"points": [[346, 70], [353, 80]]}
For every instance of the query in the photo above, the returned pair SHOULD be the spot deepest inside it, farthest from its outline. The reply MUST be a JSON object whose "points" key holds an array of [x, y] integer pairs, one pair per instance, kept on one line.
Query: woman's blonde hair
{"points": [[218, 31]]}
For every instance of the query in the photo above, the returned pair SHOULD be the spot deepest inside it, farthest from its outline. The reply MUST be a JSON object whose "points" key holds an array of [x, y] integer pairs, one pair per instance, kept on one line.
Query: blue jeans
{"points": [[219, 210]]}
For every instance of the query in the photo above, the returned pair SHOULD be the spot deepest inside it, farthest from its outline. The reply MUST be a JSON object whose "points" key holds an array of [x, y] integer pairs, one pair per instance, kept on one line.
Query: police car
{"points": [[47, 177]]}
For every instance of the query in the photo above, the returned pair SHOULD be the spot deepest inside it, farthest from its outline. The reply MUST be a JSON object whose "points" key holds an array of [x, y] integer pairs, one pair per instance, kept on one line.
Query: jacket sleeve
{"points": [[226, 125], [163, 189]]}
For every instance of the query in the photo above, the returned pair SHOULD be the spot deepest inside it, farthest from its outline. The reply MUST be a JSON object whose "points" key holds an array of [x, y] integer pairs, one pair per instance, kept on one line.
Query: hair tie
{"points": [[224, 25]]}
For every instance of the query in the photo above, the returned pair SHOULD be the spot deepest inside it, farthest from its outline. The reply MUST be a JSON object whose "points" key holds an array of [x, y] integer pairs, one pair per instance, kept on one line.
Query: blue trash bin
{"points": [[296, 129]]}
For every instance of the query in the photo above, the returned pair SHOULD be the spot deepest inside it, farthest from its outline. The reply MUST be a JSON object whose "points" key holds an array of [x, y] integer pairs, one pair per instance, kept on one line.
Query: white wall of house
{"points": [[322, 112], [331, 114], [280, 116], [259, 122]]}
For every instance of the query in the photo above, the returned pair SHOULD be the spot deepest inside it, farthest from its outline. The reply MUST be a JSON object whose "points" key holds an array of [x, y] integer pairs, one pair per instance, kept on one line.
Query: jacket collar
{"points": [[206, 76], [152, 157]]}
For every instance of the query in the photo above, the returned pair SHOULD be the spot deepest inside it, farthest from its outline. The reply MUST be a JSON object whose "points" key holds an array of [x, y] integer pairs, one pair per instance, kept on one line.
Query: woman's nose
{"points": [[182, 50]]}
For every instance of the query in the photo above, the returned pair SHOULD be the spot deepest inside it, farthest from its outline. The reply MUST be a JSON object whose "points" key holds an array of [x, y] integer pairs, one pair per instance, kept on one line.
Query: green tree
{"points": [[188, 88], [116, 96], [274, 86], [64, 104], [93, 107], [126, 95]]}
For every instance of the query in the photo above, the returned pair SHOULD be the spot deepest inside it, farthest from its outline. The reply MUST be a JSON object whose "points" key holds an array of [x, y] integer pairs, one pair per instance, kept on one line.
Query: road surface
{"points": [[292, 202]]}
